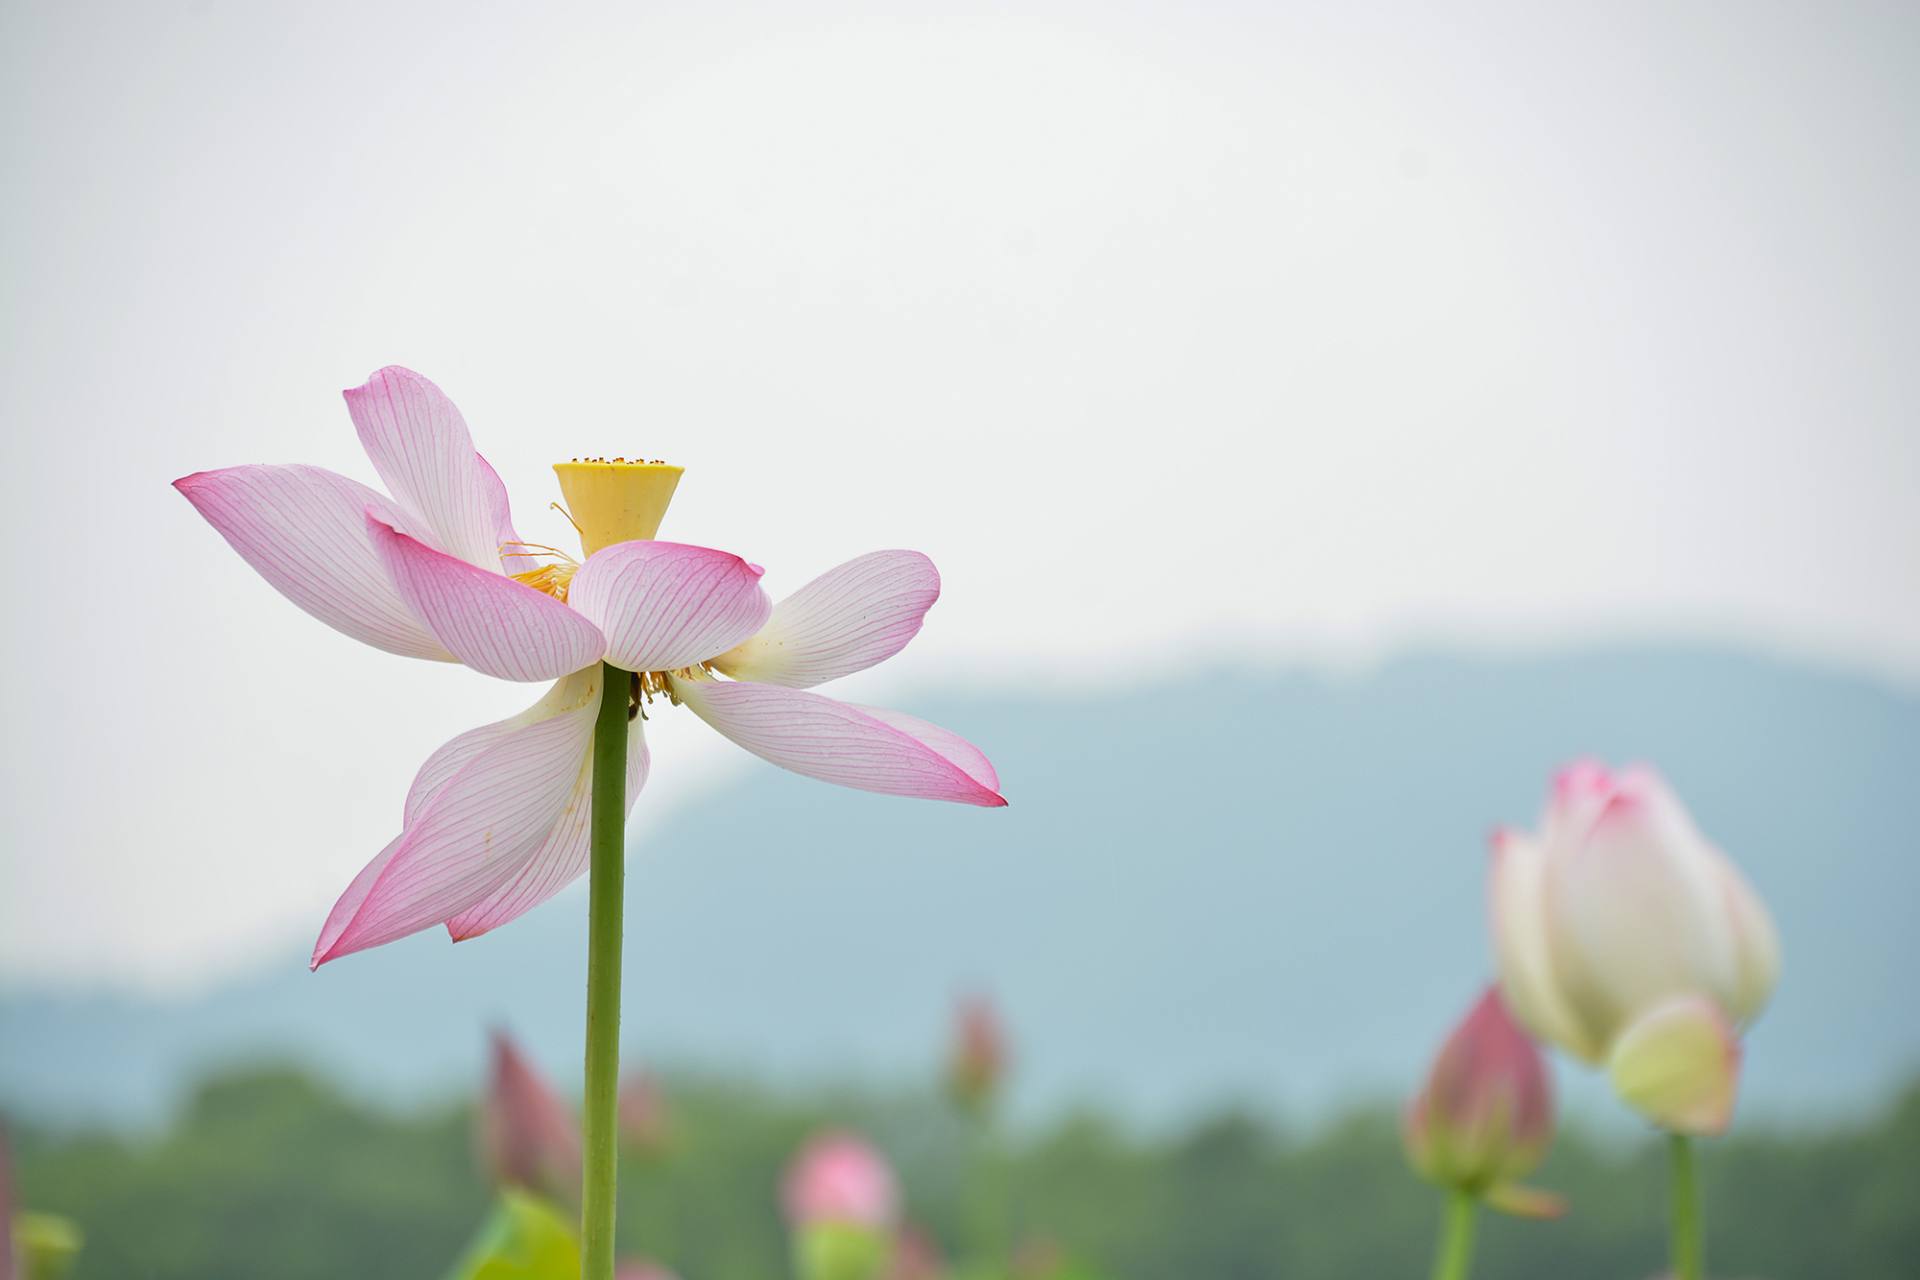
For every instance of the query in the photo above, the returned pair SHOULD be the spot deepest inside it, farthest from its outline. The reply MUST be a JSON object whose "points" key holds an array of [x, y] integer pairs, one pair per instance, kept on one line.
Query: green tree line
{"points": [[272, 1173]]}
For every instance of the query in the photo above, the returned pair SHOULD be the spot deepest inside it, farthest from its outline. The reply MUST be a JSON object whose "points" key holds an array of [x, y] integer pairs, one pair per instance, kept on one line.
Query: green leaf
{"points": [[524, 1239], [45, 1244]]}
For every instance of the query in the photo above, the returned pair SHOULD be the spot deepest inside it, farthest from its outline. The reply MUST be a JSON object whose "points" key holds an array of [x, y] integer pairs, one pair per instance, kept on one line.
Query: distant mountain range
{"points": [[1252, 885]]}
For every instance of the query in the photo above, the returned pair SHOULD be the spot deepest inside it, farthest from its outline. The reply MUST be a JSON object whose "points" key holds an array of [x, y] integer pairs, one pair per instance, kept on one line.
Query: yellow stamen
{"points": [[554, 579], [522, 548], [648, 685], [616, 499]]}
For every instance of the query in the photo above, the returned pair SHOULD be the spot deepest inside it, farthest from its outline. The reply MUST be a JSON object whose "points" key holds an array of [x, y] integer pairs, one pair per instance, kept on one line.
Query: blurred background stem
{"points": [[1689, 1249], [993, 1195], [606, 897], [1456, 1238]]}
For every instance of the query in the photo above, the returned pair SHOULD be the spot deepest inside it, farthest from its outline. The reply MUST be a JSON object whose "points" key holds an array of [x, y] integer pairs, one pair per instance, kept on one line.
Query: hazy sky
{"points": [[1172, 332]]}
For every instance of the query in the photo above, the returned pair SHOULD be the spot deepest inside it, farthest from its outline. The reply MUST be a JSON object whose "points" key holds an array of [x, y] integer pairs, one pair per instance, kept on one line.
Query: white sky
{"points": [[1171, 331]]}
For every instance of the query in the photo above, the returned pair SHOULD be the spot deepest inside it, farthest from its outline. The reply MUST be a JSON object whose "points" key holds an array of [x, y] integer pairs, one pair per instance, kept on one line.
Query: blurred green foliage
{"points": [[272, 1174]]}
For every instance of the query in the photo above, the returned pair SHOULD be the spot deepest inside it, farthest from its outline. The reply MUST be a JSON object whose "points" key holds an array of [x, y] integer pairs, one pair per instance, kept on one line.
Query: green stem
{"points": [[1689, 1244], [1456, 1238], [606, 898]]}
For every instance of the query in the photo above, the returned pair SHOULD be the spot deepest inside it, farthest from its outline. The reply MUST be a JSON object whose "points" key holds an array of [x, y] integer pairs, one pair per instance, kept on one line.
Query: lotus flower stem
{"points": [[1689, 1246], [605, 902], [1456, 1238]]}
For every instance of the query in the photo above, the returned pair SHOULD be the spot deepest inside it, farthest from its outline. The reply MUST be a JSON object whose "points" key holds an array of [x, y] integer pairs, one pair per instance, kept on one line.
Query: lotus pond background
{"points": [[1327, 420]]}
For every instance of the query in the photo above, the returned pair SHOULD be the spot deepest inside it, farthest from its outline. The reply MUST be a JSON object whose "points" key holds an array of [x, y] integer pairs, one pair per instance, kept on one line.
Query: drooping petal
{"points": [[419, 444], [665, 605], [1637, 913], [943, 742], [473, 834], [1679, 1065], [844, 621], [492, 623], [836, 742], [1516, 894], [458, 752], [561, 859], [304, 529]]}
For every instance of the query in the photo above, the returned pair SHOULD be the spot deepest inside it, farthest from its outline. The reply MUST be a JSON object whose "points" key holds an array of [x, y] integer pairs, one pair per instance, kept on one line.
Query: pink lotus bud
{"points": [[527, 1134], [839, 1178], [1484, 1118], [643, 1113], [978, 1060], [1617, 907]]}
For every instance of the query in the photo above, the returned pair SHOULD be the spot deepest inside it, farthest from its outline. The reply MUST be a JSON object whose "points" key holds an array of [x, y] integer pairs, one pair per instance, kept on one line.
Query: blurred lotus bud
{"points": [[1484, 1117], [915, 1257], [1626, 938], [528, 1138], [1038, 1259], [978, 1060], [640, 1269], [838, 1177], [643, 1114], [842, 1201]]}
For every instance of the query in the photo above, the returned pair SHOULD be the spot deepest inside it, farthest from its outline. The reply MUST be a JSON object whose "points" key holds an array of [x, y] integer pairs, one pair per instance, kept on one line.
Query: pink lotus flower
{"points": [[978, 1058], [1626, 938], [838, 1178], [527, 1134], [1484, 1117], [497, 819]]}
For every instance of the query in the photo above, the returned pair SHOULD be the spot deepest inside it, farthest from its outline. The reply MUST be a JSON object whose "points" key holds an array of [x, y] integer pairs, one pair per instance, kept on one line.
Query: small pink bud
{"points": [[640, 1269], [643, 1113], [915, 1257], [978, 1060], [1485, 1115], [839, 1178], [527, 1134]]}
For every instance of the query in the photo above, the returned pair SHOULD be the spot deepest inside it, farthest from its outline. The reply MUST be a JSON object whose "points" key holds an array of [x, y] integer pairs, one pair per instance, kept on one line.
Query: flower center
{"points": [[550, 578], [616, 499], [648, 685]]}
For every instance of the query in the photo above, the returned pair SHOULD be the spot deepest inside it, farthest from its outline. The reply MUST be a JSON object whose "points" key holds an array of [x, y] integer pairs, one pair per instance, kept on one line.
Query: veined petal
{"points": [[665, 605], [456, 754], [304, 529], [1516, 894], [1679, 1065], [836, 742], [492, 623], [505, 537], [844, 621], [419, 444], [473, 833], [943, 742], [559, 861]]}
